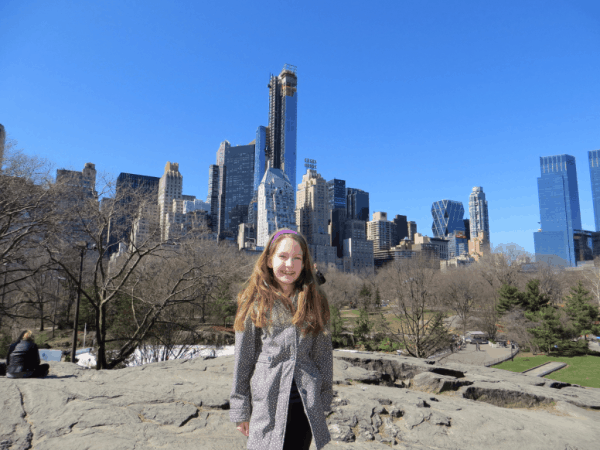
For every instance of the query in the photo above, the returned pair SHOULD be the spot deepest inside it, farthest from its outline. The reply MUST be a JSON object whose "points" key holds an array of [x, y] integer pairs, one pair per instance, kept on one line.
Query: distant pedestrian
{"points": [[23, 359], [319, 276]]}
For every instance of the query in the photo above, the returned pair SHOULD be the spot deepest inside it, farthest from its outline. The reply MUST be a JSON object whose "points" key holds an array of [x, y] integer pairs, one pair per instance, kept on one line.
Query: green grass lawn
{"points": [[582, 370]]}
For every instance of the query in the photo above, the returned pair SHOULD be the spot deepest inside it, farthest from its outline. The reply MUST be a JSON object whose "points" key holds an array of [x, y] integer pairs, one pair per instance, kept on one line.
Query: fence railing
{"points": [[440, 354], [513, 353]]}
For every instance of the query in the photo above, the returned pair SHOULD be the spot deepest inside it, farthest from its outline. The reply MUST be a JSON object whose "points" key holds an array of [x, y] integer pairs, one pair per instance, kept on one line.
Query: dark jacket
{"points": [[22, 359], [320, 277]]}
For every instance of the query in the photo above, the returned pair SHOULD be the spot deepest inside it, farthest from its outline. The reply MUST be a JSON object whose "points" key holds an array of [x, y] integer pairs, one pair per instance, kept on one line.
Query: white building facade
{"points": [[275, 205], [478, 214]]}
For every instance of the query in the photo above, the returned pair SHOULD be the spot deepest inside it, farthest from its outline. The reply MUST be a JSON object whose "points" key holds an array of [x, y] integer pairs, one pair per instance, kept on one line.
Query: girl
{"points": [[283, 373]]}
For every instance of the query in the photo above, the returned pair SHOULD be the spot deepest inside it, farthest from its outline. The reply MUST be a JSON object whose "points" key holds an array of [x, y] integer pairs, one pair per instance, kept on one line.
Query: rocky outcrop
{"points": [[380, 401]]}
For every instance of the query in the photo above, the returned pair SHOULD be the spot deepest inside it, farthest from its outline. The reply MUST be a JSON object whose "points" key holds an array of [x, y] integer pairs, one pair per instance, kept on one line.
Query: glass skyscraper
{"points": [[559, 210], [594, 158], [357, 204], [239, 161], [260, 163], [336, 194], [276, 144], [447, 217], [478, 212]]}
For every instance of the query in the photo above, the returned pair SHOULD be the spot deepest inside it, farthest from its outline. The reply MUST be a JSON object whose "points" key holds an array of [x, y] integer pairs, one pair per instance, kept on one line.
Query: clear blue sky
{"points": [[412, 101]]}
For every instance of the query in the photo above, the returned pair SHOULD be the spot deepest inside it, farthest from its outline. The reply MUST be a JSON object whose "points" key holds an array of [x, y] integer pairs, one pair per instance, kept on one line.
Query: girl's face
{"points": [[286, 262]]}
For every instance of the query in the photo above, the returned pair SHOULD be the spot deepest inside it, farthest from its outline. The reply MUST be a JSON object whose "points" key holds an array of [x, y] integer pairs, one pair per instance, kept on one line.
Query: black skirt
{"points": [[298, 435]]}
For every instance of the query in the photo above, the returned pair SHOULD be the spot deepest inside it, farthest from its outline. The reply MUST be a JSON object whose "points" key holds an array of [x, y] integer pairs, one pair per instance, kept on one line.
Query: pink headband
{"points": [[279, 233]]}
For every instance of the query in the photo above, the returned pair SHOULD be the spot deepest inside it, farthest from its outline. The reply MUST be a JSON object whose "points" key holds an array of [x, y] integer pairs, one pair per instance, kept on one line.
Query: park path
{"points": [[545, 369], [470, 355]]}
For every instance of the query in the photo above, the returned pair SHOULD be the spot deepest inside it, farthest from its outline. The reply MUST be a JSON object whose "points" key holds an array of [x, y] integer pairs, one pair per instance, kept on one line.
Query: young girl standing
{"points": [[283, 374]]}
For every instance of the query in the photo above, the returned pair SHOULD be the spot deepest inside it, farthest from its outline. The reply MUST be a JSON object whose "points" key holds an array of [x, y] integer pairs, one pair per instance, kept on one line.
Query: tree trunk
{"points": [[41, 317], [100, 339]]}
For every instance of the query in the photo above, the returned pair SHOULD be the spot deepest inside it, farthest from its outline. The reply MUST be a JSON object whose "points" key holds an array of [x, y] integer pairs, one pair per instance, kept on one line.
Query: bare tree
{"points": [[152, 274], [408, 285], [592, 278], [460, 289], [341, 288], [25, 216]]}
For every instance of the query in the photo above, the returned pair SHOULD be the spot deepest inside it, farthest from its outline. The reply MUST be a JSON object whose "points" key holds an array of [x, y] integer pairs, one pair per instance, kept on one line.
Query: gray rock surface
{"points": [[380, 402]]}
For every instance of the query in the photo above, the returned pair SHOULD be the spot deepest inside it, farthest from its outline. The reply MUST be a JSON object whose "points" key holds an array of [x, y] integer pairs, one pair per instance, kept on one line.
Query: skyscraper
{"points": [[260, 162], [399, 229], [84, 180], [478, 214], [594, 159], [336, 198], [379, 230], [239, 163], [560, 215], [135, 194], [276, 144], [283, 116], [447, 217], [312, 217], [412, 230], [2, 144], [170, 188], [336, 194], [312, 209], [357, 204], [275, 205]]}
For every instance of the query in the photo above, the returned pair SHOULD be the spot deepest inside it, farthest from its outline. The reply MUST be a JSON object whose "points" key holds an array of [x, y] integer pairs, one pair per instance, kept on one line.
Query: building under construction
{"points": [[276, 144]]}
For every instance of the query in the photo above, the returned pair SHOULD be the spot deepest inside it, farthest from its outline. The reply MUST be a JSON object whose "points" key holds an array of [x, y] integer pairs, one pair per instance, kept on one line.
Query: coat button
{"points": [[269, 359], [303, 391]]}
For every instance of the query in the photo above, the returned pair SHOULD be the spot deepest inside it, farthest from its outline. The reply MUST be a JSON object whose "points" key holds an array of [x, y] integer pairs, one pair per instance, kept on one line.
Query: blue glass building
{"points": [[336, 194], [458, 244], [357, 204], [559, 210], [447, 218], [594, 158], [260, 147]]}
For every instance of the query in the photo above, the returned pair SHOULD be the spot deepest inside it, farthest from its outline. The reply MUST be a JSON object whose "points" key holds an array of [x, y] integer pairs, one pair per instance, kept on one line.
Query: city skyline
{"points": [[412, 107]]}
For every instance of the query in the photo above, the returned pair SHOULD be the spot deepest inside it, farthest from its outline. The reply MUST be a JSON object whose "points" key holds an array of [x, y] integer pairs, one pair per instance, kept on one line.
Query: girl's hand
{"points": [[244, 428]]}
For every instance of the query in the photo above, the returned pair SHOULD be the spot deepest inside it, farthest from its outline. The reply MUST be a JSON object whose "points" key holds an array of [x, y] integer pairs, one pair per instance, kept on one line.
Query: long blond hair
{"points": [[258, 297]]}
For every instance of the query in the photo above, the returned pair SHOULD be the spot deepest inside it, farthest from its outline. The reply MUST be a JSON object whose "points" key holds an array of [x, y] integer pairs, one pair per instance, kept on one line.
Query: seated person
{"points": [[23, 359]]}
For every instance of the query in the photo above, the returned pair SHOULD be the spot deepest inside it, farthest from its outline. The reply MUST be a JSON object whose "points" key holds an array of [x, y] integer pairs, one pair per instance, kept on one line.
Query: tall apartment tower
{"points": [[478, 214], [312, 209], [237, 188], [136, 195], [83, 183], [275, 205], [379, 230], [260, 160], [170, 188], [399, 229], [447, 217], [594, 159], [276, 144], [336, 198], [560, 215], [2, 144], [336, 194], [357, 204], [412, 230], [217, 177]]}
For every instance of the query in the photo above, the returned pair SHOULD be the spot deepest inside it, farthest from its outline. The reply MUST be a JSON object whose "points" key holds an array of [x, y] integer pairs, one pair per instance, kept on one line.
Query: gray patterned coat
{"points": [[266, 360]]}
